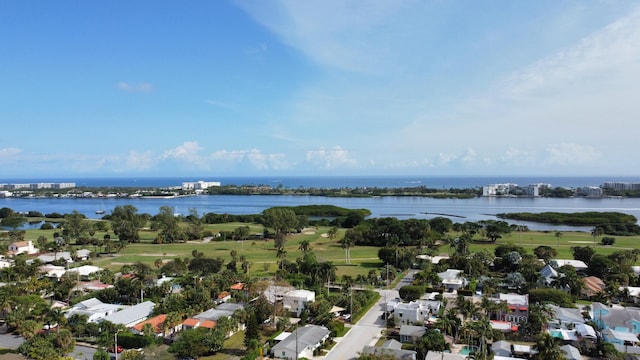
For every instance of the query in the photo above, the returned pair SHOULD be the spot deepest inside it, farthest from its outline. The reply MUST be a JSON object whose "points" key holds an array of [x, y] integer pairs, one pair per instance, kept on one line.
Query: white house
{"points": [[22, 247], [84, 272], [452, 279], [131, 315], [94, 309], [295, 301], [301, 343], [414, 312]]}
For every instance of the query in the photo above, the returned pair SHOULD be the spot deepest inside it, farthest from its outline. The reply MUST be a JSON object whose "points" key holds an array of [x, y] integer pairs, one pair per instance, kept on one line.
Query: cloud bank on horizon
{"points": [[330, 87]]}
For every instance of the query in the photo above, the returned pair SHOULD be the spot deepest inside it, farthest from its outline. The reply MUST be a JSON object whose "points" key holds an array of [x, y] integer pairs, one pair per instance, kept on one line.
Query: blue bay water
{"points": [[458, 210]]}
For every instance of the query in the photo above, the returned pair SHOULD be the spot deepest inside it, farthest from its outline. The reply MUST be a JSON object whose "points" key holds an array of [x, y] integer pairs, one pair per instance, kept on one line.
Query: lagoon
{"points": [[458, 210]]}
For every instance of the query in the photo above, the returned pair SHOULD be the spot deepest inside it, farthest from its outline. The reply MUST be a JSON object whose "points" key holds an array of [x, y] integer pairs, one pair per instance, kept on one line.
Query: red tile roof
{"points": [[209, 324], [223, 295], [191, 322], [237, 286], [156, 321]]}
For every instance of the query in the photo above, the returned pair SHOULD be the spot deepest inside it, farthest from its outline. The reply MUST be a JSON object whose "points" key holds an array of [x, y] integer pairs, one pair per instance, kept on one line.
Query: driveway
{"points": [[368, 330]]}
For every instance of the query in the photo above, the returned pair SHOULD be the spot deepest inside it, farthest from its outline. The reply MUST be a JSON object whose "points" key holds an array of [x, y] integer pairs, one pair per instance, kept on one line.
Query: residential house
{"points": [[295, 300], [301, 343], [517, 308], [5, 263], [223, 297], [132, 315], [411, 334], [565, 317], [439, 355], [22, 247], [501, 348], [548, 274], [577, 264], [503, 326], [84, 272], [192, 323], [55, 256], [210, 317], [592, 286], [620, 339], [523, 350], [571, 352], [83, 254], [52, 271], [94, 309], [391, 348], [618, 318], [414, 312], [452, 279], [158, 325]]}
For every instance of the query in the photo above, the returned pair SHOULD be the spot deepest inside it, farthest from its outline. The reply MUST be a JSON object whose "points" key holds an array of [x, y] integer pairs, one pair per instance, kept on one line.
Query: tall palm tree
{"points": [[347, 243], [547, 347], [595, 232]]}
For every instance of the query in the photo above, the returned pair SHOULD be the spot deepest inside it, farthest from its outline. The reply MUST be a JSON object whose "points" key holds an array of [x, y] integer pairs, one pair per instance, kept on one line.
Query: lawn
{"points": [[262, 254]]}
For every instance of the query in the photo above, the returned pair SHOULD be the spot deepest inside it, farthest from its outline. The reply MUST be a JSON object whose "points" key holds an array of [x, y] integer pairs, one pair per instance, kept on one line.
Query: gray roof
{"points": [[620, 317], [392, 344], [399, 354], [233, 307], [571, 352], [573, 315], [411, 330], [305, 336], [222, 310], [501, 345], [132, 314], [439, 355]]}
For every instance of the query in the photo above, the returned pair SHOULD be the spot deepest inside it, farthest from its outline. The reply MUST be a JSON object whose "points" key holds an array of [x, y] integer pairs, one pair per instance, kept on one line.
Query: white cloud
{"points": [[188, 151], [353, 35], [571, 154], [9, 153], [139, 87], [330, 158], [609, 51], [140, 160], [255, 158]]}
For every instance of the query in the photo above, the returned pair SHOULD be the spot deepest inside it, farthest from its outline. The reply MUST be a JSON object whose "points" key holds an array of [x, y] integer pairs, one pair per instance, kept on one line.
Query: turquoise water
{"points": [[466, 350]]}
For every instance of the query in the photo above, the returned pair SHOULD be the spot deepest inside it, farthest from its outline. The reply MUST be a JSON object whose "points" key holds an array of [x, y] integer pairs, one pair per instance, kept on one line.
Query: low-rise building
{"points": [[517, 310], [411, 334], [94, 309], [452, 279], [131, 315], [22, 247], [391, 348], [301, 343]]}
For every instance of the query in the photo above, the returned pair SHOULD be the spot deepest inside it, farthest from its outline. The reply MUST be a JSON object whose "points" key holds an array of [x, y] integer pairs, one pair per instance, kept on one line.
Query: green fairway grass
{"points": [[262, 253]]}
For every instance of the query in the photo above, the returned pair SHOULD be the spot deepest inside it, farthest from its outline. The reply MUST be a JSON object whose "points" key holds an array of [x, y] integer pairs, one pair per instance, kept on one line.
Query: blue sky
{"points": [[350, 87]]}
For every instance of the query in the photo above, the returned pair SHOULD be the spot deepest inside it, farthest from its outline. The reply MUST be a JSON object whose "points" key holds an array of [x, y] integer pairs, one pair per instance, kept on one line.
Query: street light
{"points": [[115, 347]]}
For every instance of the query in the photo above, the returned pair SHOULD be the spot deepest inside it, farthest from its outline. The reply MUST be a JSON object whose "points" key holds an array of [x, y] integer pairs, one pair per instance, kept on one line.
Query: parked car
{"points": [[119, 349]]}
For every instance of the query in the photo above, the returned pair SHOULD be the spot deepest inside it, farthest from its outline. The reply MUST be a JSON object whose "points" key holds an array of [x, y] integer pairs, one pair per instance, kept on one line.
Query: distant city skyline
{"points": [[320, 88]]}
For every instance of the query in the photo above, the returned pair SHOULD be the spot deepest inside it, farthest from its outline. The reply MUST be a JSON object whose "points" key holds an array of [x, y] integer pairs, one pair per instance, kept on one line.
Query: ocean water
{"points": [[436, 182]]}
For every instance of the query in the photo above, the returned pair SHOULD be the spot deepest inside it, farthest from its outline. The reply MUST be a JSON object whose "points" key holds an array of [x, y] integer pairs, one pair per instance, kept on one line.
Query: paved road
{"points": [[10, 341], [368, 329]]}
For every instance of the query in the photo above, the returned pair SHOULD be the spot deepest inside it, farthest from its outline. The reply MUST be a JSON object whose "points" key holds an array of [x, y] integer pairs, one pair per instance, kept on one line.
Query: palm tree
{"points": [[327, 271], [346, 244], [332, 233], [547, 347], [595, 232], [558, 236], [304, 246], [170, 323], [466, 307]]}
